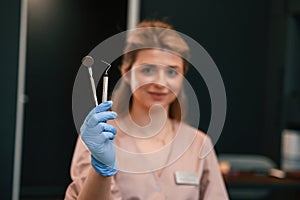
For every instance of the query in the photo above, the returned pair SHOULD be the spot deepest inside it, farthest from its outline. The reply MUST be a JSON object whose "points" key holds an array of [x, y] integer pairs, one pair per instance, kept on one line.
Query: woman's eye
{"points": [[172, 72], [148, 69]]}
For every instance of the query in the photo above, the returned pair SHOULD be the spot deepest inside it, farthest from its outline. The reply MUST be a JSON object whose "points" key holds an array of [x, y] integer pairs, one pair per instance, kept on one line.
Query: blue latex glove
{"points": [[98, 137]]}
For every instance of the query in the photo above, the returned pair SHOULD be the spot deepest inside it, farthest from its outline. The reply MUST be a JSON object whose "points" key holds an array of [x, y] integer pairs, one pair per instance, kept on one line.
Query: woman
{"points": [[158, 155]]}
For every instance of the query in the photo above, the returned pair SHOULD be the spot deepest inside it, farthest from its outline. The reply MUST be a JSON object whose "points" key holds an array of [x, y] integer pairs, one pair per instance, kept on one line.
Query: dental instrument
{"points": [[88, 61]]}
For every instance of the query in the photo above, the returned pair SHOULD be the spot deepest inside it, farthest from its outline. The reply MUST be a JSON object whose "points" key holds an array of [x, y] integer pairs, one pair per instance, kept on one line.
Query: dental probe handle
{"points": [[105, 87]]}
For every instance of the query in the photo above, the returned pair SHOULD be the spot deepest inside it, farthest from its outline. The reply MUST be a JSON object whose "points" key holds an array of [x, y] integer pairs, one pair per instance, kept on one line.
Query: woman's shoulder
{"points": [[195, 139], [188, 129]]}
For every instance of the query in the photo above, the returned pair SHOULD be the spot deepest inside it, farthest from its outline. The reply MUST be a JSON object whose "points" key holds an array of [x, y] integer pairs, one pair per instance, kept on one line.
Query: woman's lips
{"points": [[157, 95]]}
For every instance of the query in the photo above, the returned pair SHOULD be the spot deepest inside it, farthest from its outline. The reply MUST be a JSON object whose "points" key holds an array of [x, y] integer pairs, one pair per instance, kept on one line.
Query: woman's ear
{"points": [[126, 75]]}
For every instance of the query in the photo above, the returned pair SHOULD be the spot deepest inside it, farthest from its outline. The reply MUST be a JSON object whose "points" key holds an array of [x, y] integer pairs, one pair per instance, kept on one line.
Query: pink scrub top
{"points": [[192, 172]]}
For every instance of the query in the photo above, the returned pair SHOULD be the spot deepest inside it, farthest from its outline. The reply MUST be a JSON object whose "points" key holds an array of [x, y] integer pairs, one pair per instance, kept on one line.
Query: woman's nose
{"points": [[161, 78]]}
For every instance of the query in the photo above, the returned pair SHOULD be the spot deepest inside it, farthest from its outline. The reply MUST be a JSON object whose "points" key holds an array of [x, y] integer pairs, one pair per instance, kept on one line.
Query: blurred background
{"points": [[254, 43]]}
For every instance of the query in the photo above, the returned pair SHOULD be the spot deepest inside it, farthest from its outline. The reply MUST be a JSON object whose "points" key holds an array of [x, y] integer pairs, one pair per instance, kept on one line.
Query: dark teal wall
{"points": [[9, 47]]}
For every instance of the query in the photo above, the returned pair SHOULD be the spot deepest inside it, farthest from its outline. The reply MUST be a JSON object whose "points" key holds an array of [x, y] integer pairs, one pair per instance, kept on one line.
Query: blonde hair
{"points": [[147, 35]]}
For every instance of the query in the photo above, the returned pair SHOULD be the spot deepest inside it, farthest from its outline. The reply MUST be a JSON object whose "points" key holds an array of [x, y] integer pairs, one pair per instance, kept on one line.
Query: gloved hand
{"points": [[98, 137]]}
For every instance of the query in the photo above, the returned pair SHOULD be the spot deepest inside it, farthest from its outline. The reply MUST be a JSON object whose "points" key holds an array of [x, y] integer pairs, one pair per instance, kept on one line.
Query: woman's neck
{"points": [[155, 129], [144, 116]]}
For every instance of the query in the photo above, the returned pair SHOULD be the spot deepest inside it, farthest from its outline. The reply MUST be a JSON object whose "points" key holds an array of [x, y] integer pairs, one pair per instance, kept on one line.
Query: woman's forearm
{"points": [[95, 187]]}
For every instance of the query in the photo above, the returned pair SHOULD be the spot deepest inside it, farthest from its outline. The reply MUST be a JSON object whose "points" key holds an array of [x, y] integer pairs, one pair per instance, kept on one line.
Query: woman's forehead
{"points": [[157, 56]]}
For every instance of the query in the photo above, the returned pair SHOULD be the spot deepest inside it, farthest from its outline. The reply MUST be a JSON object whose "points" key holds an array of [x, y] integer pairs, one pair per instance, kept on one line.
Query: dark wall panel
{"points": [[9, 40]]}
